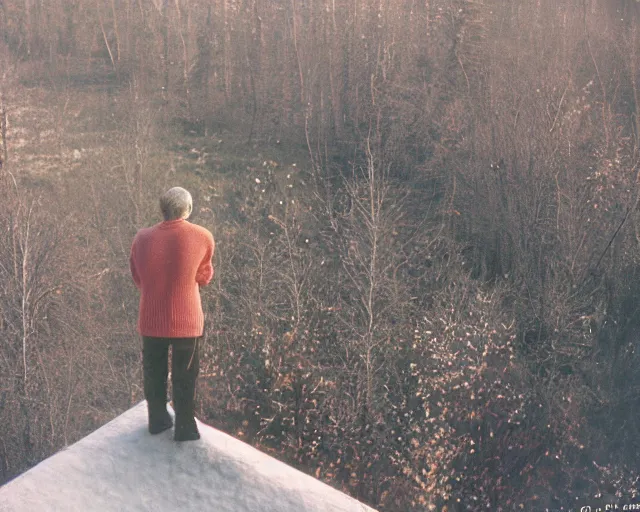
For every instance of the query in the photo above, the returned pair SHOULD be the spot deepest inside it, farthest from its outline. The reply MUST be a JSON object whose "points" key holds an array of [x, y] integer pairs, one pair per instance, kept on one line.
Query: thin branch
{"points": [[559, 108], [106, 41]]}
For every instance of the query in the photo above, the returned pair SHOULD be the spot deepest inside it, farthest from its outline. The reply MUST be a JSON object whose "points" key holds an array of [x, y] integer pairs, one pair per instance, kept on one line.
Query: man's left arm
{"points": [[132, 266]]}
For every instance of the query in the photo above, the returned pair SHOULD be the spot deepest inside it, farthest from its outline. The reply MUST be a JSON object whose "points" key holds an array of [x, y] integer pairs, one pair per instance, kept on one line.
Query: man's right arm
{"points": [[205, 269]]}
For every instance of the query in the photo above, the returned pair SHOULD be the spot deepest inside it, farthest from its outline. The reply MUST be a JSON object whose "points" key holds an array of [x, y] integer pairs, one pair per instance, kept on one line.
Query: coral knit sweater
{"points": [[169, 261]]}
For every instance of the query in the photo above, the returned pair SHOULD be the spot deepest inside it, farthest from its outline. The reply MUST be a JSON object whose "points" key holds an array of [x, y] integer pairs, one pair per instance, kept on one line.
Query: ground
{"points": [[122, 467]]}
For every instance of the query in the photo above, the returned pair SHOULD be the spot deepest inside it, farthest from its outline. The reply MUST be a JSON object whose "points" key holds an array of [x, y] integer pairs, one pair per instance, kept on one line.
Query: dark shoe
{"points": [[160, 425], [187, 433]]}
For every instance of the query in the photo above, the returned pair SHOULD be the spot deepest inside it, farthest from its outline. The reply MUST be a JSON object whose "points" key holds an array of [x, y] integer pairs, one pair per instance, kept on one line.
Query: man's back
{"points": [[168, 262]]}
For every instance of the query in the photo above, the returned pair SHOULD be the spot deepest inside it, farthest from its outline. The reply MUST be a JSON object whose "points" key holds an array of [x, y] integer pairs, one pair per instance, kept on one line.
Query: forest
{"points": [[427, 289]]}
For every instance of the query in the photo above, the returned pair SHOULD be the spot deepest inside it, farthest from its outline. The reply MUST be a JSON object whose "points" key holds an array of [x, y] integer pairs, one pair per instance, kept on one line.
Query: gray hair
{"points": [[176, 203]]}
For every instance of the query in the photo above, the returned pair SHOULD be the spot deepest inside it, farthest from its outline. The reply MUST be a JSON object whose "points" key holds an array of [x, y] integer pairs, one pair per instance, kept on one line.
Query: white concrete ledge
{"points": [[121, 467]]}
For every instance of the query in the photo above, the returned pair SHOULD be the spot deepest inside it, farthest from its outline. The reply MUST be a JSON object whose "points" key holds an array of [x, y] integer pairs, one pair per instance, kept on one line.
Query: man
{"points": [[169, 262]]}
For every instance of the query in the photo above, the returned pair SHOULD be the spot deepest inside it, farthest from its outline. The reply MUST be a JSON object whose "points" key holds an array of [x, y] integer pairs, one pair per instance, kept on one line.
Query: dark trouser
{"points": [[185, 365]]}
